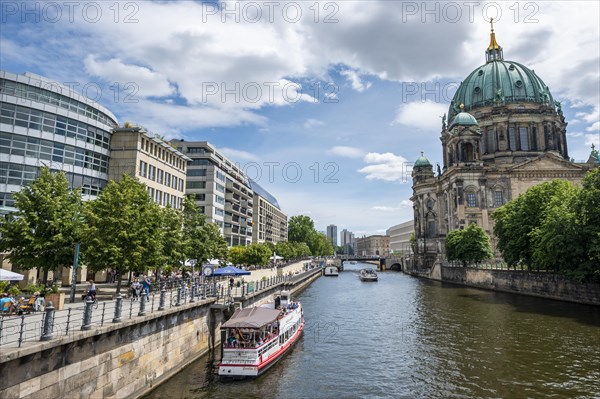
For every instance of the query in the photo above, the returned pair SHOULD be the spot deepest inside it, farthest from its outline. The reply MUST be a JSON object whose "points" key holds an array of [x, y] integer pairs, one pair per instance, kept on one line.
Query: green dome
{"points": [[463, 119], [422, 162], [500, 82]]}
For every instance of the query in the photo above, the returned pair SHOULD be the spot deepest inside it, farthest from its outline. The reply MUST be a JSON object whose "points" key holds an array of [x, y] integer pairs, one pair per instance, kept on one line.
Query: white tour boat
{"points": [[331, 271], [368, 275], [254, 339]]}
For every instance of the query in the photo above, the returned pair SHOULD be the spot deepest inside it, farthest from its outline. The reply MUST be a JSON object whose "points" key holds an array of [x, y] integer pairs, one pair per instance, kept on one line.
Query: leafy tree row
{"points": [[301, 229], [123, 229], [260, 254], [554, 226]]}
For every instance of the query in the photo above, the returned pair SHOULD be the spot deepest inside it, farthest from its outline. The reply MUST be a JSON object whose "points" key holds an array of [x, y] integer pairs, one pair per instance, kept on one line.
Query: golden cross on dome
{"points": [[492, 23]]}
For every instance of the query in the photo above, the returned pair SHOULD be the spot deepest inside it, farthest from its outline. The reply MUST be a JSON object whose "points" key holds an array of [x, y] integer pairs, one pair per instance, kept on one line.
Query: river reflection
{"points": [[403, 337]]}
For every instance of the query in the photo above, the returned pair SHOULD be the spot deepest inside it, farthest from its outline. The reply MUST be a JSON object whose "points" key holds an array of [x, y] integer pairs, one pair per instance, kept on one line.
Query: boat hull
{"points": [[249, 371]]}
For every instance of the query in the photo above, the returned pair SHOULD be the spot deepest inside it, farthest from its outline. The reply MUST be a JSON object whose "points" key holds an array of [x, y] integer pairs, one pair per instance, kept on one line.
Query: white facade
{"points": [[400, 237]]}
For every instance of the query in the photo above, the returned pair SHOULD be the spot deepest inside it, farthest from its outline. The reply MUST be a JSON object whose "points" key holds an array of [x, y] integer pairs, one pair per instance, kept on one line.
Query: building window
{"points": [[219, 212], [195, 184], [143, 168], [471, 200], [498, 198], [220, 175], [524, 139], [151, 172], [196, 172], [200, 197], [167, 179], [219, 200], [220, 187], [159, 176], [512, 139], [491, 142]]}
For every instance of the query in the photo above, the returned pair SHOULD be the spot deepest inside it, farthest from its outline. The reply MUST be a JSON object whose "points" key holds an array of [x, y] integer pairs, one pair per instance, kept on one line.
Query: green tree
{"points": [[518, 219], [217, 246], [257, 254], [194, 235], [123, 229], [321, 245], [587, 209], [237, 255], [301, 249], [286, 249], [301, 229], [173, 248], [43, 231], [468, 245]]}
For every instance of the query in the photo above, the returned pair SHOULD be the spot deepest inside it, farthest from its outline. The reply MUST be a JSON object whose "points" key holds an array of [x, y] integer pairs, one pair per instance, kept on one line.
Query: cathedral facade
{"points": [[505, 134]]}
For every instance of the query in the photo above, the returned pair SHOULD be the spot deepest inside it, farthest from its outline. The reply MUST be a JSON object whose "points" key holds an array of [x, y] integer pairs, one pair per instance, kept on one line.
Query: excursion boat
{"points": [[255, 338], [331, 271], [368, 275]]}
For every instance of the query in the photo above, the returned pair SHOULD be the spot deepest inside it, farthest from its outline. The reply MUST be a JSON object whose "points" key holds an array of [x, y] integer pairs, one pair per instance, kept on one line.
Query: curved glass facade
{"points": [[43, 123]]}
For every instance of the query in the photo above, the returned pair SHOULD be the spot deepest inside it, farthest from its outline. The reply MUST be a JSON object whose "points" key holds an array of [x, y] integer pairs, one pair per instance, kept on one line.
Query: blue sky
{"points": [[346, 93]]}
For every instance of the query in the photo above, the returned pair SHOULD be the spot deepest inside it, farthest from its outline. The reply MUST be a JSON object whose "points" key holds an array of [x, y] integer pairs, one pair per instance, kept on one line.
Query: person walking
{"points": [[135, 289], [146, 283]]}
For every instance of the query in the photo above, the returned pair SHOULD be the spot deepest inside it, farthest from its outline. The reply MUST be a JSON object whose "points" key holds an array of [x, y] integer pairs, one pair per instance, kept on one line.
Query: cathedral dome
{"points": [[499, 82]]}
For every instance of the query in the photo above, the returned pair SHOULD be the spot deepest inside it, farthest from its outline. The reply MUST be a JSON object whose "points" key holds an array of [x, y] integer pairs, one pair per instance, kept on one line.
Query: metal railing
{"points": [[166, 294], [51, 323]]}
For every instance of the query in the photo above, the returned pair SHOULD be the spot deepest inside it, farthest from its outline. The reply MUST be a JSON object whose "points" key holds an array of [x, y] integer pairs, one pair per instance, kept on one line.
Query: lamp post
{"points": [[74, 274]]}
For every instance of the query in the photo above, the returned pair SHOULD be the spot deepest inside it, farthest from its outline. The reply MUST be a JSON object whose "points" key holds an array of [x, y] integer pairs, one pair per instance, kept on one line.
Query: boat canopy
{"points": [[255, 317]]}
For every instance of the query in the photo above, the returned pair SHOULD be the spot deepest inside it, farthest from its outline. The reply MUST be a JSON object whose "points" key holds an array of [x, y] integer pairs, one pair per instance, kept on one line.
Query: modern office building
{"points": [[347, 241], [221, 189], [43, 123], [376, 245], [332, 234], [270, 223], [156, 163], [400, 237]]}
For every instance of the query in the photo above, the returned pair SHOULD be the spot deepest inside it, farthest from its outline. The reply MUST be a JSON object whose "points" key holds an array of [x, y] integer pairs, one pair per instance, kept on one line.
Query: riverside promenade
{"points": [[123, 348]]}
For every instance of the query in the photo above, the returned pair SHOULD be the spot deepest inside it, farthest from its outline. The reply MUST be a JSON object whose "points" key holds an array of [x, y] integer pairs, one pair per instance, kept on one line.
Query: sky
{"points": [[325, 104]]}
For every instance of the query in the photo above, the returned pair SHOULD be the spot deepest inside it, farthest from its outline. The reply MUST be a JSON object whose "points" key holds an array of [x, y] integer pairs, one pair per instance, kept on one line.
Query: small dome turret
{"points": [[463, 119], [422, 162]]}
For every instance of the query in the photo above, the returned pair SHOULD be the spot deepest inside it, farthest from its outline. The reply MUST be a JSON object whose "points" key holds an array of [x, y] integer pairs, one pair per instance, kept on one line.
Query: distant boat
{"points": [[353, 262], [368, 275], [331, 271]]}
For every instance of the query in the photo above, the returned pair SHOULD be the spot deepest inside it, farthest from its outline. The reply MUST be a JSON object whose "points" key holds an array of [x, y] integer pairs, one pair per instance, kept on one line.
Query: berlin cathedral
{"points": [[505, 133]]}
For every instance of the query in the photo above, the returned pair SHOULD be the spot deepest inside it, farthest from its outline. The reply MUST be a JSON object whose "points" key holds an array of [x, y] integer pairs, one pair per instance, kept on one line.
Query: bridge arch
{"points": [[397, 267]]}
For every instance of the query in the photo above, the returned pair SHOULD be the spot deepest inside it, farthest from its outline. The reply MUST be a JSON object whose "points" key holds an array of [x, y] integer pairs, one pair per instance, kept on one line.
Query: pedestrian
{"points": [[146, 283], [135, 289]]}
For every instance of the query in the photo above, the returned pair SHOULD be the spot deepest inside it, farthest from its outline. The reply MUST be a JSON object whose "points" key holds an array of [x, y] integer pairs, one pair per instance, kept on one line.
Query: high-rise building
{"points": [[152, 161], [270, 223], [332, 234], [221, 189], [347, 241], [43, 123]]}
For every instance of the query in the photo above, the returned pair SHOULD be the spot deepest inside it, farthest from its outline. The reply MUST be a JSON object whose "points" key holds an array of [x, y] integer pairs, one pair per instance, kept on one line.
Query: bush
{"points": [[31, 288], [3, 286], [14, 290]]}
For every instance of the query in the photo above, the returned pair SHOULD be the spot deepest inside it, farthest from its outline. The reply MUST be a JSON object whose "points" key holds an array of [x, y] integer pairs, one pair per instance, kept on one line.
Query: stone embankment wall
{"points": [[115, 361], [121, 360], [546, 285]]}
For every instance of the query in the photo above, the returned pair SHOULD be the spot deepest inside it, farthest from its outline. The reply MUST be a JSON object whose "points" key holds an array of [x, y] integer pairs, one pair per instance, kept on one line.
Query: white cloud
{"points": [[386, 166], [345, 151], [132, 79], [592, 139], [421, 115], [355, 80], [311, 123], [403, 204], [236, 155]]}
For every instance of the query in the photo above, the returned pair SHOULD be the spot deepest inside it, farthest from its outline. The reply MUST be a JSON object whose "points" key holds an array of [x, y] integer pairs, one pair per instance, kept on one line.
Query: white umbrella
{"points": [[213, 261], [6, 275], [276, 257]]}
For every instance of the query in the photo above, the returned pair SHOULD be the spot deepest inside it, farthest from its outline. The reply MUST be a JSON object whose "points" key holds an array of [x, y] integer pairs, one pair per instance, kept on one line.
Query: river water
{"points": [[404, 337]]}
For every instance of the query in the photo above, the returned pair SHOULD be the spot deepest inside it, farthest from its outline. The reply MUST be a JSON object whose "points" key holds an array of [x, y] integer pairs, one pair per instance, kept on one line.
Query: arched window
{"points": [[471, 199], [524, 137]]}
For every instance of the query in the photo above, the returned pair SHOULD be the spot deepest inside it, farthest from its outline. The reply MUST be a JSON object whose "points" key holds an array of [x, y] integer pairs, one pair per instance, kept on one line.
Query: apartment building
{"points": [[270, 223], [400, 237], [161, 167]]}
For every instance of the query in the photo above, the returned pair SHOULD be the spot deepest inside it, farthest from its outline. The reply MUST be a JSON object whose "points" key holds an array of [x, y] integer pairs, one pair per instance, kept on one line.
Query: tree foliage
{"points": [[517, 219], [468, 245], [123, 229], [301, 228], [43, 232], [253, 254], [173, 245], [554, 226]]}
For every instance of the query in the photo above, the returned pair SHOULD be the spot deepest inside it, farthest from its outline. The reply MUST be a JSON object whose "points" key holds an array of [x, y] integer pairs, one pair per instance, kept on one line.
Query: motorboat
{"points": [[331, 271], [256, 338], [367, 275]]}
